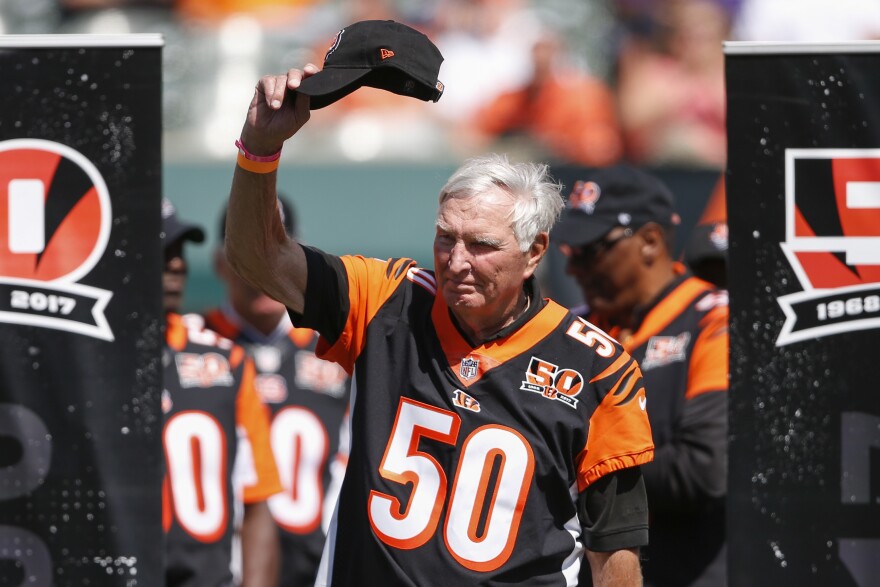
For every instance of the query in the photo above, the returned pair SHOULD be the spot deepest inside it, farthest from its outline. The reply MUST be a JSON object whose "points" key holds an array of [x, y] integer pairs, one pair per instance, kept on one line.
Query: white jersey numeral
{"points": [[404, 463], [591, 336], [484, 509], [195, 452], [300, 445], [481, 549]]}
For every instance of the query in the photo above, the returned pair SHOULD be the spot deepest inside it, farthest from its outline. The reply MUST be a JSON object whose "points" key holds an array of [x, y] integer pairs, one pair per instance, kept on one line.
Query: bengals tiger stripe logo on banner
{"points": [[832, 242], [55, 221]]}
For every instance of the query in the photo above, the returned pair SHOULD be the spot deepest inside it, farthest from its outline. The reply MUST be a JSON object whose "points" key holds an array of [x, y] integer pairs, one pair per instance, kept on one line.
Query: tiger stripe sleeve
{"points": [[619, 434]]}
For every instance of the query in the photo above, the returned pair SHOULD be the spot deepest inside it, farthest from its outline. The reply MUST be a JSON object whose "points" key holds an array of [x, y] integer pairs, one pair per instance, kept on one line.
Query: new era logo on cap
{"points": [[382, 54]]}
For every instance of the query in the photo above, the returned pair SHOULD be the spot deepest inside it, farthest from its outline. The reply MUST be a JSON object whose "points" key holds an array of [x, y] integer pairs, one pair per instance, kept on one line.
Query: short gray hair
{"points": [[538, 196]]}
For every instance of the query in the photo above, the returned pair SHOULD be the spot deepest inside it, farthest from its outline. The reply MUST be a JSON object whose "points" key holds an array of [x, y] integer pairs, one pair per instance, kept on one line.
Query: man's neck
{"points": [[656, 281], [479, 332]]}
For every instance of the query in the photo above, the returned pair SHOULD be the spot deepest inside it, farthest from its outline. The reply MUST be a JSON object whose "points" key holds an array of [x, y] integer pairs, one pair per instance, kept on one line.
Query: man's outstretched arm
{"points": [[257, 247]]}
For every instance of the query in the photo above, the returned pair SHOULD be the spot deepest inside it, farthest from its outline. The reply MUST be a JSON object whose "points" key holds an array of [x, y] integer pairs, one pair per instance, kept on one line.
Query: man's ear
{"points": [[653, 244], [537, 252]]}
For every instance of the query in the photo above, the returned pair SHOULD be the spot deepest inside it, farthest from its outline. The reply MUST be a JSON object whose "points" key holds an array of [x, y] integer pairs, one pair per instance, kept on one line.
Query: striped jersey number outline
{"points": [[195, 450], [404, 463], [300, 444]]}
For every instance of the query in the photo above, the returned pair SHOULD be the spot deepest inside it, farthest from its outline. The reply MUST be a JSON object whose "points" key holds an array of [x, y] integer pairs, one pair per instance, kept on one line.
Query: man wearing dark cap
{"points": [[616, 233], [495, 437], [308, 398], [216, 443]]}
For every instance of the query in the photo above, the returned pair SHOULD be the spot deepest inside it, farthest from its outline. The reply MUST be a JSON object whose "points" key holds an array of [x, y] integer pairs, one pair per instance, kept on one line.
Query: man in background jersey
{"points": [[617, 232], [308, 398], [216, 442], [496, 437]]}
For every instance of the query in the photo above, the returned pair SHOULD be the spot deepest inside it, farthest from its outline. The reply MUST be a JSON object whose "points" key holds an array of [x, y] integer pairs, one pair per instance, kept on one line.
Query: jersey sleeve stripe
{"points": [[389, 267], [423, 278], [370, 283], [706, 372], [615, 463], [630, 381], [401, 267], [613, 368], [619, 434]]}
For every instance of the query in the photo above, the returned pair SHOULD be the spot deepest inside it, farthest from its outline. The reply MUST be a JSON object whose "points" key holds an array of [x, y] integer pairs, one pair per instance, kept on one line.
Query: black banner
{"points": [[80, 310], [803, 197]]}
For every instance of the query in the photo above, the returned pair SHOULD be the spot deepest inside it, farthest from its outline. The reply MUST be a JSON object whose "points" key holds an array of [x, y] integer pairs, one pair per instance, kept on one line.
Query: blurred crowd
{"points": [[588, 82]]}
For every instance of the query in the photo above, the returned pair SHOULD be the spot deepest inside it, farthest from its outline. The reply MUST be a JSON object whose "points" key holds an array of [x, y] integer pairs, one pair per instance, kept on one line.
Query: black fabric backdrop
{"points": [[804, 503], [80, 422]]}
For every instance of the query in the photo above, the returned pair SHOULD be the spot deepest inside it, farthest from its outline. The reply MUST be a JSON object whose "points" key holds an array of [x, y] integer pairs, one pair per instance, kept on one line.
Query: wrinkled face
{"points": [[480, 269], [173, 277], [607, 272]]}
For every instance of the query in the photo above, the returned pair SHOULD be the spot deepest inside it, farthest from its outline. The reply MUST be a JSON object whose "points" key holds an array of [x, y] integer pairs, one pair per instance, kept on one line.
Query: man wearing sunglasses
{"points": [[617, 233]]}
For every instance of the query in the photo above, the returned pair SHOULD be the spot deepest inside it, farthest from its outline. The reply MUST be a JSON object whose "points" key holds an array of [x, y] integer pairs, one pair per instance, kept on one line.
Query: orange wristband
{"points": [[256, 166], [256, 163]]}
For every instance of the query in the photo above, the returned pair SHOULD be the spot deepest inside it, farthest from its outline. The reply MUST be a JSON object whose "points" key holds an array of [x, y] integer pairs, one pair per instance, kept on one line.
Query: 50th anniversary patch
{"points": [[55, 220]]}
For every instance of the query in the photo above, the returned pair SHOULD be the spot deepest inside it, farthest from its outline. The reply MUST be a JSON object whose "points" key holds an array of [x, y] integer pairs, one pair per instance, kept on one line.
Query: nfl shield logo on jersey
{"points": [[469, 367]]}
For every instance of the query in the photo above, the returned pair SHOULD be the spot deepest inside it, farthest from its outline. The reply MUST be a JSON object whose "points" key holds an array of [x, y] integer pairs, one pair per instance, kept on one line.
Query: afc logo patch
{"points": [[55, 220], [550, 381], [832, 242]]}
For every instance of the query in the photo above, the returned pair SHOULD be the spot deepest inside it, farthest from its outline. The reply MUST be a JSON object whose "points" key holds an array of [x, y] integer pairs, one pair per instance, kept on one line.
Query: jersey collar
{"points": [[468, 362]]}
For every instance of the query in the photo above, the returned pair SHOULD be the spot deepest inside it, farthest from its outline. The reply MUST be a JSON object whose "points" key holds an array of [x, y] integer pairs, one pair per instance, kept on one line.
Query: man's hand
{"points": [[274, 114]]}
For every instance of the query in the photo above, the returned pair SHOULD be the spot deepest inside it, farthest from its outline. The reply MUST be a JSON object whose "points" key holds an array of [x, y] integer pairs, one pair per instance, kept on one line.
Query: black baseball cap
{"points": [[174, 229], [621, 195], [381, 54], [708, 241], [288, 218]]}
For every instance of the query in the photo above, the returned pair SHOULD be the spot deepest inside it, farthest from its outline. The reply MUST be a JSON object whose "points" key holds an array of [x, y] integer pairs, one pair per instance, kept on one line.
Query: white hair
{"points": [[538, 201]]}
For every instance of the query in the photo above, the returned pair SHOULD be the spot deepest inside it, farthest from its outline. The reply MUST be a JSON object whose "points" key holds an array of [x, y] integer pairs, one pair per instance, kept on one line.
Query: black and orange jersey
{"points": [[214, 424], [681, 344], [468, 463], [308, 398]]}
